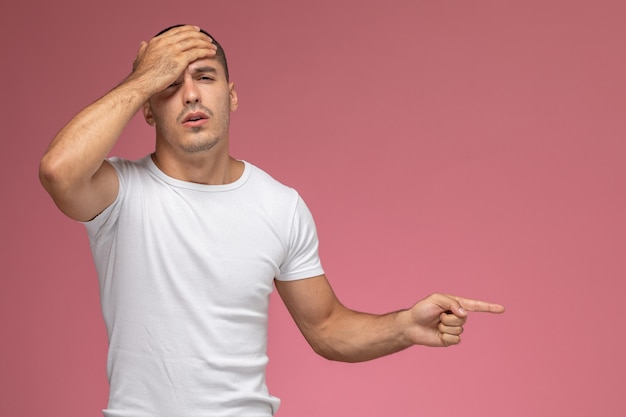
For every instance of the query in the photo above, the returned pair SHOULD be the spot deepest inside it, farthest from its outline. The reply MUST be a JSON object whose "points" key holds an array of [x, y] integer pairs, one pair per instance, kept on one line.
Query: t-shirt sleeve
{"points": [[302, 260], [104, 221]]}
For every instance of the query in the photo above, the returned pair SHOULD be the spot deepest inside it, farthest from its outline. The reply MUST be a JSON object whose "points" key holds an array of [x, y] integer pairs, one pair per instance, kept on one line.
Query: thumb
{"points": [[452, 306]]}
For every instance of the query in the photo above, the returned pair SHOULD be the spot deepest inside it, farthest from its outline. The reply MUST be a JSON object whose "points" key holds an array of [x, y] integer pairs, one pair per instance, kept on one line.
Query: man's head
{"points": [[220, 55], [192, 114]]}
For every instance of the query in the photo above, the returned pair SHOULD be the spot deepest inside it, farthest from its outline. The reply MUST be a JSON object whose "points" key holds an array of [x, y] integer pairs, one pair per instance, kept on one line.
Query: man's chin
{"points": [[200, 146]]}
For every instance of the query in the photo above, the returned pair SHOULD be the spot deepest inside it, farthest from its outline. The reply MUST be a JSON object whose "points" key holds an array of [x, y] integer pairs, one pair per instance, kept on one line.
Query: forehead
{"points": [[206, 65]]}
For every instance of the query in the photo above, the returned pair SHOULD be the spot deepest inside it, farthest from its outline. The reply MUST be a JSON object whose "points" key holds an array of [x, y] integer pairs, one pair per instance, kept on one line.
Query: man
{"points": [[189, 242]]}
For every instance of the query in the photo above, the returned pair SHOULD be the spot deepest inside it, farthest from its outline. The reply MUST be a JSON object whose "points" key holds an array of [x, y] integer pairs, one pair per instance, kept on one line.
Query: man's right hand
{"points": [[161, 61]]}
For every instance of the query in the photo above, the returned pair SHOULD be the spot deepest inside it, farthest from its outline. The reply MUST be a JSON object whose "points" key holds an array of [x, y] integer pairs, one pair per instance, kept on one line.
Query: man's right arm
{"points": [[73, 170]]}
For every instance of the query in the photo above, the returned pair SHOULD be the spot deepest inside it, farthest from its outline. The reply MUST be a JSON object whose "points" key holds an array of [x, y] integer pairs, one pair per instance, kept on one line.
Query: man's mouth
{"points": [[195, 118]]}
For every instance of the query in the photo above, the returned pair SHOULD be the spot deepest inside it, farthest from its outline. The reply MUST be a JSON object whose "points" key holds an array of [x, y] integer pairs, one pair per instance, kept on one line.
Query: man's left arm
{"points": [[338, 333]]}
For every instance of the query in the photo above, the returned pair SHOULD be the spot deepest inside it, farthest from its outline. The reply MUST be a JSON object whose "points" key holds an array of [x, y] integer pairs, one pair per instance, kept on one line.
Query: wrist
{"points": [[405, 327], [140, 85]]}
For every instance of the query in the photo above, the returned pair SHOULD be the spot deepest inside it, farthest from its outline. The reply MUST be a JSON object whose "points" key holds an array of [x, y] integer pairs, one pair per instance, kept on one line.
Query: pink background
{"points": [[471, 147]]}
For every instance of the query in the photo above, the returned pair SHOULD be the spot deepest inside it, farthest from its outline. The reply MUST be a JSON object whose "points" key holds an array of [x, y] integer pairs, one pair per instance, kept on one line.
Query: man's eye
{"points": [[174, 84], [206, 78]]}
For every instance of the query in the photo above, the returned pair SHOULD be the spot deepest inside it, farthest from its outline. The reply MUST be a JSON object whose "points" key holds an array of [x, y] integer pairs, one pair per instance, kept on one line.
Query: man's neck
{"points": [[202, 168]]}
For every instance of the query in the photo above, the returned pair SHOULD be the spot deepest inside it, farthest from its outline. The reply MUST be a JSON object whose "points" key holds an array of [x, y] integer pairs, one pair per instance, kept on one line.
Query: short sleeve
{"points": [[105, 221], [302, 260]]}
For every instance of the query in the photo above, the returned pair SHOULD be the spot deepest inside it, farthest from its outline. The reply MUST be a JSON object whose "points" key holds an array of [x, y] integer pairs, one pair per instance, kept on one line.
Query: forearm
{"points": [[356, 337], [77, 151]]}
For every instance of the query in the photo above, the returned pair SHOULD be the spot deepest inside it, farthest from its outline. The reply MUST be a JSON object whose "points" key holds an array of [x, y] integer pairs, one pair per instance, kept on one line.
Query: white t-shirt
{"points": [[185, 275]]}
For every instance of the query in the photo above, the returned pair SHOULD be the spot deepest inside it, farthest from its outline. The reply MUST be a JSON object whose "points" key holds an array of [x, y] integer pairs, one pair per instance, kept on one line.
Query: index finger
{"points": [[185, 33], [176, 29], [479, 306]]}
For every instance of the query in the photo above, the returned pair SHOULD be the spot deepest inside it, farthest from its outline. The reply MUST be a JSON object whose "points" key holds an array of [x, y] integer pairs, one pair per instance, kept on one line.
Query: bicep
{"points": [[85, 200], [311, 302]]}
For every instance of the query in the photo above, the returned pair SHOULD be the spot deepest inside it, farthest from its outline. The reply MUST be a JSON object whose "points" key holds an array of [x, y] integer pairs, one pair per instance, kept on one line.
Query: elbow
{"points": [[337, 356], [333, 355], [53, 176], [320, 342], [48, 173], [331, 339], [335, 350], [60, 174], [57, 181], [325, 352]]}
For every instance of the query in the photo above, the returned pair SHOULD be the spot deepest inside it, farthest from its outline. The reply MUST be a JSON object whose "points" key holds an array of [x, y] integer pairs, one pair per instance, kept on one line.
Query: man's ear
{"points": [[234, 100], [147, 113]]}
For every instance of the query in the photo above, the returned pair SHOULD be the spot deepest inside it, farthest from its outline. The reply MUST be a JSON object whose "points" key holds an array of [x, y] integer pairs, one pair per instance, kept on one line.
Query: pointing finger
{"points": [[479, 306]]}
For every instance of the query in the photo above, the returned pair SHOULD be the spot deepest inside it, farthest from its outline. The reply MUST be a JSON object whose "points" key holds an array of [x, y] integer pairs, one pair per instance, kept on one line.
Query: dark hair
{"points": [[219, 55]]}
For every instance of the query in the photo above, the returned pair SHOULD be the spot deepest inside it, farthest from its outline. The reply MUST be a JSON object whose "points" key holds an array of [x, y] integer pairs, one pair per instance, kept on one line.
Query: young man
{"points": [[188, 243]]}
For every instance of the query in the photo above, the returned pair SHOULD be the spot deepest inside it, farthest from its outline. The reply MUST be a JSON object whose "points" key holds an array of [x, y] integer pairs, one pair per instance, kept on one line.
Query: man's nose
{"points": [[191, 94]]}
